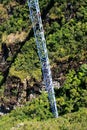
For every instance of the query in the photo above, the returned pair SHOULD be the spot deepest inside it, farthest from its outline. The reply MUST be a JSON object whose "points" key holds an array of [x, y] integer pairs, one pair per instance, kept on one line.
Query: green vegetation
{"points": [[73, 94], [17, 18], [70, 98], [68, 122], [65, 28], [65, 34], [65, 25], [35, 115], [1, 77], [27, 62]]}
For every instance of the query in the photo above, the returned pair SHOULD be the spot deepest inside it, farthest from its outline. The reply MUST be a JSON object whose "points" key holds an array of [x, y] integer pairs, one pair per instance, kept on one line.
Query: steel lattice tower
{"points": [[42, 51]]}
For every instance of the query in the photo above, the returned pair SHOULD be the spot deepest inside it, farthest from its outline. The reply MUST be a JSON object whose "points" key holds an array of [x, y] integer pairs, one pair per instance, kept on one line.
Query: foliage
{"points": [[65, 24], [66, 31], [72, 121], [73, 94], [65, 27], [18, 18], [1, 77], [38, 109], [27, 62]]}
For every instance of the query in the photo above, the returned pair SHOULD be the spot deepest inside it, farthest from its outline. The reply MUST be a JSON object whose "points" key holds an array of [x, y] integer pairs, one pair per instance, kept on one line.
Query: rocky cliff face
{"points": [[16, 93]]}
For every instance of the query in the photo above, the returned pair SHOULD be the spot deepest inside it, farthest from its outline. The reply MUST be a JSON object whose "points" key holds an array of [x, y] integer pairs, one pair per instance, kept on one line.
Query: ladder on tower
{"points": [[36, 20]]}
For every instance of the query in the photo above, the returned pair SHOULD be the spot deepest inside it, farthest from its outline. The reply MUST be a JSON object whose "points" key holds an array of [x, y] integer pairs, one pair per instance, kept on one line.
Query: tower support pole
{"points": [[36, 20]]}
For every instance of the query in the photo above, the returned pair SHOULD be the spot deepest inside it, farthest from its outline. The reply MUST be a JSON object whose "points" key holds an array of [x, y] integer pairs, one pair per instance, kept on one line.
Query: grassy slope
{"points": [[68, 122], [36, 115], [72, 121]]}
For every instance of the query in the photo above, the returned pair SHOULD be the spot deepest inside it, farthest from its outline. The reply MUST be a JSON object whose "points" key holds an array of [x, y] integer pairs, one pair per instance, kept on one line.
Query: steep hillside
{"points": [[36, 115], [65, 25]]}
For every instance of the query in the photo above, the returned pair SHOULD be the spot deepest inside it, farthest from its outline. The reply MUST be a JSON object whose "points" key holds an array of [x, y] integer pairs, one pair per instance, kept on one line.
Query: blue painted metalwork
{"points": [[42, 51]]}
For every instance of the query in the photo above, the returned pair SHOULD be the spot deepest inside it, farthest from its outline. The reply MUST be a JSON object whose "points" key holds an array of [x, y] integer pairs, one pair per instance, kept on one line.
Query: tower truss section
{"points": [[36, 20]]}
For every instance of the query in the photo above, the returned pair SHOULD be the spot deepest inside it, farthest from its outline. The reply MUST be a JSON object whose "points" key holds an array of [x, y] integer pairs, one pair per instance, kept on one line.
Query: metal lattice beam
{"points": [[42, 51]]}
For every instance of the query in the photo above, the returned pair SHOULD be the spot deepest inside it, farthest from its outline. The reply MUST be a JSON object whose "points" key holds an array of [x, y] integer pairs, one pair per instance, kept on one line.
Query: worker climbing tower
{"points": [[42, 51]]}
